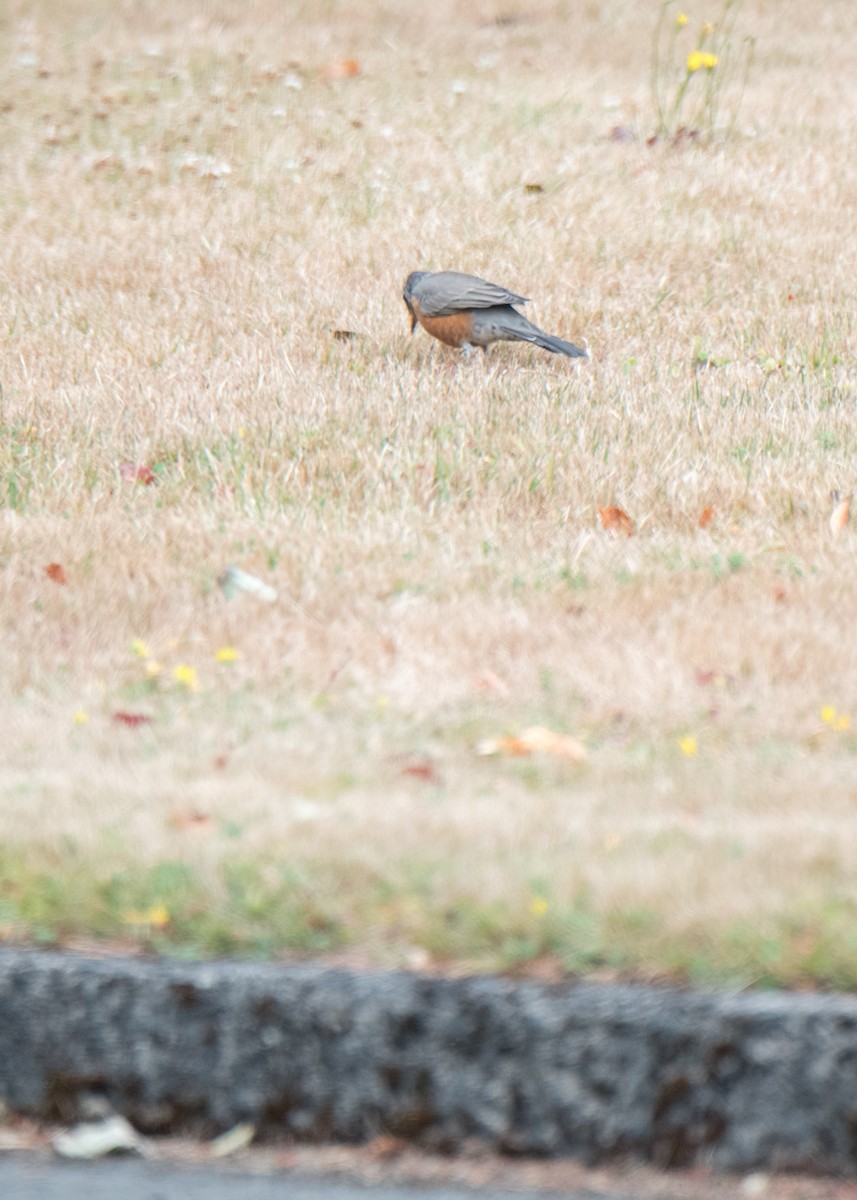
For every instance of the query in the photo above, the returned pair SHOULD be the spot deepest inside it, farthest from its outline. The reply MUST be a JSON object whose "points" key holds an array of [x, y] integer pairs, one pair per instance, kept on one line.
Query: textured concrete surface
{"points": [[740, 1082]]}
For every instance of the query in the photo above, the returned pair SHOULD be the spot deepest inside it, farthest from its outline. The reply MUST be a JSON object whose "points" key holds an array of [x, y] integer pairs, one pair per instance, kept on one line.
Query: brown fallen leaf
{"points": [[56, 572], [345, 68], [130, 472], [533, 189], [535, 740], [841, 513], [423, 769], [490, 681], [132, 720], [191, 819], [343, 335], [705, 517], [713, 678], [616, 518], [386, 1145]]}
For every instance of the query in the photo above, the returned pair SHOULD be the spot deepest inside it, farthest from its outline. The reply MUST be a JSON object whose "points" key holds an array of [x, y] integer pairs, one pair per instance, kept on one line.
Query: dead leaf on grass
{"points": [[56, 572], [535, 740], [131, 719], [713, 678], [191, 819], [490, 681], [130, 472], [616, 518], [345, 68], [423, 769], [705, 517], [841, 512]]}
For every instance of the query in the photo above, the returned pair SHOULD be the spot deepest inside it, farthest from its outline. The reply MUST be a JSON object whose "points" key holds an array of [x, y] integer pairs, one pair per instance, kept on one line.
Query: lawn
{"points": [[207, 215]]}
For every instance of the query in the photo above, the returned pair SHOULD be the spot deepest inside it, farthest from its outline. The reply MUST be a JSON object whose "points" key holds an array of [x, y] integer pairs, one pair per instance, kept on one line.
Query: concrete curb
{"points": [[758, 1080]]}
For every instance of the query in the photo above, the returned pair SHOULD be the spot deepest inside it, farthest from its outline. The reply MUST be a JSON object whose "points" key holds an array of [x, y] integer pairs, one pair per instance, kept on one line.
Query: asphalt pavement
{"points": [[23, 1177]]}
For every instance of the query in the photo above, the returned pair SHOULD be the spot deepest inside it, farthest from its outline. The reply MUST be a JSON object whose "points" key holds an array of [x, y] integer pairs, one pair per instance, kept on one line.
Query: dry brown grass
{"points": [[431, 525]]}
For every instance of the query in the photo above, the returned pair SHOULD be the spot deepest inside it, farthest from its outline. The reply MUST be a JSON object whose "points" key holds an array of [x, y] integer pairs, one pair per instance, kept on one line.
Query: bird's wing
{"points": [[450, 292]]}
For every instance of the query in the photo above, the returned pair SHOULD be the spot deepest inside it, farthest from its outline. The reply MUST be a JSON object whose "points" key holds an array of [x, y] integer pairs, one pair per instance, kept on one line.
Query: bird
{"points": [[465, 311]]}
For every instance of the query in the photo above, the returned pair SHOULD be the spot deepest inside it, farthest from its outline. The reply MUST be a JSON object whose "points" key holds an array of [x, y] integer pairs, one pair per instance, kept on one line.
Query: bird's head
{"points": [[408, 293]]}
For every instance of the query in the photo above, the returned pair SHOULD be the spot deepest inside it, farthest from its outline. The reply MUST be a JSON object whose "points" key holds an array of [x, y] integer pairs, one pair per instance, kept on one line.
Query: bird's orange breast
{"points": [[453, 330]]}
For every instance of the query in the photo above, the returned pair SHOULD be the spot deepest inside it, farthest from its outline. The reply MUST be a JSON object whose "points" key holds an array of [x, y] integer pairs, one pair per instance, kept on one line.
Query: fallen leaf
{"points": [[130, 472], [345, 68], [616, 518], [191, 819], [132, 720], [533, 189], [233, 580], [490, 681], [95, 1139], [343, 335], [841, 512], [705, 517], [713, 678], [535, 740], [237, 1138], [423, 769], [56, 572], [385, 1145]]}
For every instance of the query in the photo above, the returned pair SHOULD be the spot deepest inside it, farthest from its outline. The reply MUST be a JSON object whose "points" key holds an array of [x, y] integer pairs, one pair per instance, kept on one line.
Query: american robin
{"points": [[465, 311]]}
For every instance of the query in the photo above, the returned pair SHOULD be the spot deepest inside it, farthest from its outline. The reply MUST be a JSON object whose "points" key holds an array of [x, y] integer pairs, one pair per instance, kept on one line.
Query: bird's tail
{"points": [[525, 331]]}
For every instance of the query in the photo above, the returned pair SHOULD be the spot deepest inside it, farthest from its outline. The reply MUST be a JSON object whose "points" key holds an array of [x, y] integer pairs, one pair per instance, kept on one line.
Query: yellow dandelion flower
{"points": [[80, 717], [688, 745], [538, 906], [186, 676], [694, 61], [842, 723], [681, 20], [828, 714], [140, 648], [226, 654], [157, 915], [709, 61]]}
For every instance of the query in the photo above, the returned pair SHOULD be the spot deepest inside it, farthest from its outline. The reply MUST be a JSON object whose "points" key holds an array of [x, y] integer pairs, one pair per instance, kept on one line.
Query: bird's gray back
{"points": [[449, 292]]}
